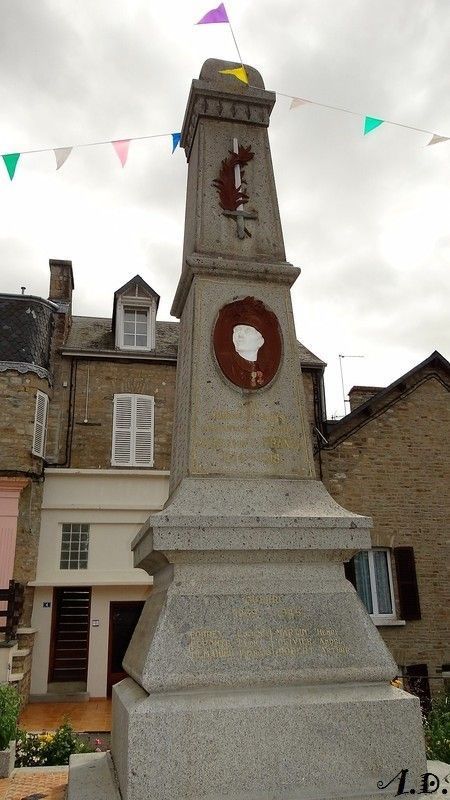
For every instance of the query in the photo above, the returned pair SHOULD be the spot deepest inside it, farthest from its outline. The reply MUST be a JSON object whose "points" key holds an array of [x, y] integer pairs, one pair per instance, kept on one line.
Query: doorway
{"points": [[70, 634], [123, 618]]}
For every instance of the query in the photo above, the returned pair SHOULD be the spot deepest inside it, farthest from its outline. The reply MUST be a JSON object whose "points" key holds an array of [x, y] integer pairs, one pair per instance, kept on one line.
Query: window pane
{"points": [[141, 315], [128, 315], [128, 327], [363, 580], [382, 582], [128, 338], [141, 341], [74, 546], [141, 327]]}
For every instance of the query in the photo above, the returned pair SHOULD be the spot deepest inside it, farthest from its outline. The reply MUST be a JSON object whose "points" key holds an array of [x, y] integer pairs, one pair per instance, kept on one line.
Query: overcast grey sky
{"points": [[366, 218]]}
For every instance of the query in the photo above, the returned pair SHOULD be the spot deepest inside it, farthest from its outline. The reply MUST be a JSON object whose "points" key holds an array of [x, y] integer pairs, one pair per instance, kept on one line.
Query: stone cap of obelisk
{"points": [[247, 102]]}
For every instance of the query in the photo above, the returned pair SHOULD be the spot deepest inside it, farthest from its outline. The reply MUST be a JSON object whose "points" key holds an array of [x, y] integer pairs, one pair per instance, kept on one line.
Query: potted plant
{"points": [[9, 713]]}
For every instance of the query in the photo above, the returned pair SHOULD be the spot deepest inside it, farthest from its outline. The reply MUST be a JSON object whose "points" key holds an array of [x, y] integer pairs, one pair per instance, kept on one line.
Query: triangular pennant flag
{"points": [[296, 102], [435, 139], [215, 15], [11, 160], [370, 123], [121, 147], [175, 141], [238, 73], [61, 155]]}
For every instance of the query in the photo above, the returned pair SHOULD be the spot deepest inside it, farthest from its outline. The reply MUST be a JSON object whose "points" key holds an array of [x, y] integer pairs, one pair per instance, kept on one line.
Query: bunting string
{"points": [[214, 16]]}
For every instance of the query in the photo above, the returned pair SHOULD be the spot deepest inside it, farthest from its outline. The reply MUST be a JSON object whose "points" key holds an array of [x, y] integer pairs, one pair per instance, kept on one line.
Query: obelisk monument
{"points": [[255, 671]]}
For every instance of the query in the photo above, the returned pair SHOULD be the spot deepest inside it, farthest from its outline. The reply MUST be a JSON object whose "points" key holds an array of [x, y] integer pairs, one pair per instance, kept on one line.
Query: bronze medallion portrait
{"points": [[247, 343]]}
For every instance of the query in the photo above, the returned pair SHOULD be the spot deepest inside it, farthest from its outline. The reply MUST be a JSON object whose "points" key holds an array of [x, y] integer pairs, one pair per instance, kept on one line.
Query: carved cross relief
{"points": [[231, 185]]}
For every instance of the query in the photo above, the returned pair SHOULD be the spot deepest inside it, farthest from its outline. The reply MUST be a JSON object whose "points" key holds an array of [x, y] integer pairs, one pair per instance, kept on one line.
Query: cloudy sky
{"points": [[366, 218]]}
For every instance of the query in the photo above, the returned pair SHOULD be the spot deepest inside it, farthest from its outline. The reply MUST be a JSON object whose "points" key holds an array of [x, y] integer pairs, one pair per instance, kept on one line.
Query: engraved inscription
{"points": [[277, 436], [264, 626]]}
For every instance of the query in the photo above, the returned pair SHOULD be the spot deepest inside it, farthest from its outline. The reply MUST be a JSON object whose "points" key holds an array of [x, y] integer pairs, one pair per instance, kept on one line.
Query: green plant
{"points": [[437, 729], [9, 713], [49, 749]]}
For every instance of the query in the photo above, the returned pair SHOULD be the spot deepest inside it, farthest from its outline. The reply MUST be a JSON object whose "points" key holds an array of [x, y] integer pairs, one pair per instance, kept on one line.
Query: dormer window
{"points": [[136, 327], [134, 316]]}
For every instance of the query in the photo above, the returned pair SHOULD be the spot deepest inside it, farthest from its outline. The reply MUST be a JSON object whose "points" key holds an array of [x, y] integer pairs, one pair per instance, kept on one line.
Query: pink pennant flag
{"points": [[435, 139], [218, 14], [296, 102], [121, 148]]}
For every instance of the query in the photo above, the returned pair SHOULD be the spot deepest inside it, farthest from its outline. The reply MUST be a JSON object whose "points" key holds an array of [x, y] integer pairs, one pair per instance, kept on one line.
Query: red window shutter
{"points": [[408, 591]]}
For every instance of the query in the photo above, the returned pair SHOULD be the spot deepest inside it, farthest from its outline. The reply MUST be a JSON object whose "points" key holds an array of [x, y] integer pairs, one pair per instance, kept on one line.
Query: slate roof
{"points": [[94, 334]]}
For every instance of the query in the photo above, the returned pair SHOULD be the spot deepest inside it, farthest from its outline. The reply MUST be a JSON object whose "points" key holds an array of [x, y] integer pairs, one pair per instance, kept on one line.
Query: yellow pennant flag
{"points": [[238, 73]]}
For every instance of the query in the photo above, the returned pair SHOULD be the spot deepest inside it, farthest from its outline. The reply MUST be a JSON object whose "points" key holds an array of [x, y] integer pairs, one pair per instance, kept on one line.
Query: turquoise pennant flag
{"points": [[370, 123], [11, 160], [175, 141]]}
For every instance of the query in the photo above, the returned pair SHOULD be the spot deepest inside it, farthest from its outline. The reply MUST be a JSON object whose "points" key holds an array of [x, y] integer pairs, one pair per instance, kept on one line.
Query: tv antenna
{"points": [[341, 356]]}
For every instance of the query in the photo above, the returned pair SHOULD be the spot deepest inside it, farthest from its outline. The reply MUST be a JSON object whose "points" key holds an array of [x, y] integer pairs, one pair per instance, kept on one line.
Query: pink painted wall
{"points": [[10, 489]]}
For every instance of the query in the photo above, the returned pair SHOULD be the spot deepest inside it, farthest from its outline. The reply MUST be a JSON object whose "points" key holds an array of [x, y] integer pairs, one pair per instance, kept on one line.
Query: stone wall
{"points": [[397, 469], [90, 445], [18, 404]]}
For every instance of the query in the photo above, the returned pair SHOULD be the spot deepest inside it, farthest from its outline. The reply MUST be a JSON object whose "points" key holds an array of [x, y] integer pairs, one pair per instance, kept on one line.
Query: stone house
{"points": [[389, 457], [86, 424]]}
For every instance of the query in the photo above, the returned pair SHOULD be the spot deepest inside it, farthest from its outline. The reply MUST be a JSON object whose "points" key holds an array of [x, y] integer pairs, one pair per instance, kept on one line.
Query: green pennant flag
{"points": [[370, 123], [11, 160]]}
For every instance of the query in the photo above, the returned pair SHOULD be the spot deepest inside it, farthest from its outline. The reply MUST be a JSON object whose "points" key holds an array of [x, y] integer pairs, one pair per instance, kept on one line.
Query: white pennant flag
{"points": [[61, 155], [435, 139], [296, 102]]}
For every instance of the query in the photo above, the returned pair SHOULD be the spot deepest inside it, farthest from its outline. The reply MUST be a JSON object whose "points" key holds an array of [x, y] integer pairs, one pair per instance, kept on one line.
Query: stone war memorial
{"points": [[254, 671]]}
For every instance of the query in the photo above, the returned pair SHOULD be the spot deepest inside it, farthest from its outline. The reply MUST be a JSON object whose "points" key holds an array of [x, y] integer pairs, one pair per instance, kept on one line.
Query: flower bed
{"points": [[49, 749]]}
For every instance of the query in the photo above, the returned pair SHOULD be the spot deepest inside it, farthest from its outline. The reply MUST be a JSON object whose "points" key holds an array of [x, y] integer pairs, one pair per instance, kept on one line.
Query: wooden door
{"points": [[70, 635], [123, 617]]}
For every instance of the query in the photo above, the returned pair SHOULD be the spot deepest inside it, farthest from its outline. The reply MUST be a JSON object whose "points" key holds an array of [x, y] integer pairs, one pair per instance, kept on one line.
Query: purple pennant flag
{"points": [[218, 14]]}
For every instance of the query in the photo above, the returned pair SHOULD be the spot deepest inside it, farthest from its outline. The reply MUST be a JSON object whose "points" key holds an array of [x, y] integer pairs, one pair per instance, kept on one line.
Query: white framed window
{"points": [[373, 575], [74, 545], [133, 430], [136, 321], [40, 424]]}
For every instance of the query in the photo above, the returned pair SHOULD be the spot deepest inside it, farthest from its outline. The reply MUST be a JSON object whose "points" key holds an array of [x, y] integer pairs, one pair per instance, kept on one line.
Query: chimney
{"points": [[360, 394], [61, 281]]}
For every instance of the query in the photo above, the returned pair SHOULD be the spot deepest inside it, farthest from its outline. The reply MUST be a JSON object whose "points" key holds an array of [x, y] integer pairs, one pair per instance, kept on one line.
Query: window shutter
{"points": [[349, 569], [143, 445], [408, 591], [133, 426], [122, 430], [40, 424], [416, 680]]}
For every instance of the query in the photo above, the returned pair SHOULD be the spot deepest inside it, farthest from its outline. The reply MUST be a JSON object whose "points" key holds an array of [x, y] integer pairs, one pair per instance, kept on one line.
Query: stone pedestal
{"points": [[256, 671], [301, 742]]}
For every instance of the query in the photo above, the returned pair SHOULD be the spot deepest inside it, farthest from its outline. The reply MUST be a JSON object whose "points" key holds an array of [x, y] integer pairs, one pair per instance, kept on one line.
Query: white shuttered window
{"points": [[133, 428], [40, 424]]}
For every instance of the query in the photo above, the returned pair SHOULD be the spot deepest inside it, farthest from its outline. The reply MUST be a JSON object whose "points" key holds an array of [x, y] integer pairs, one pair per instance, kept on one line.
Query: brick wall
{"points": [[396, 468], [91, 442]]}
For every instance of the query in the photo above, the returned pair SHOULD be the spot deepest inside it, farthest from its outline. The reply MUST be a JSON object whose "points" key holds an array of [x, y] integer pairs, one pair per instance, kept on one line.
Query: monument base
{"points": [[294, 743]]}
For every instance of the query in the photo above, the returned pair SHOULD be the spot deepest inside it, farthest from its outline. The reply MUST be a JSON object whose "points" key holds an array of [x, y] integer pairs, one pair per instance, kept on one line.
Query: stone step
{"points": [[58, 697], [91, 777]]}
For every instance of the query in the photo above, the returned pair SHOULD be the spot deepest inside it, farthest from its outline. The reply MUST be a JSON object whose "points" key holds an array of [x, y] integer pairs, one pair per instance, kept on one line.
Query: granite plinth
{"points": [[255, 624], [301, 742], [222, 514]]}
